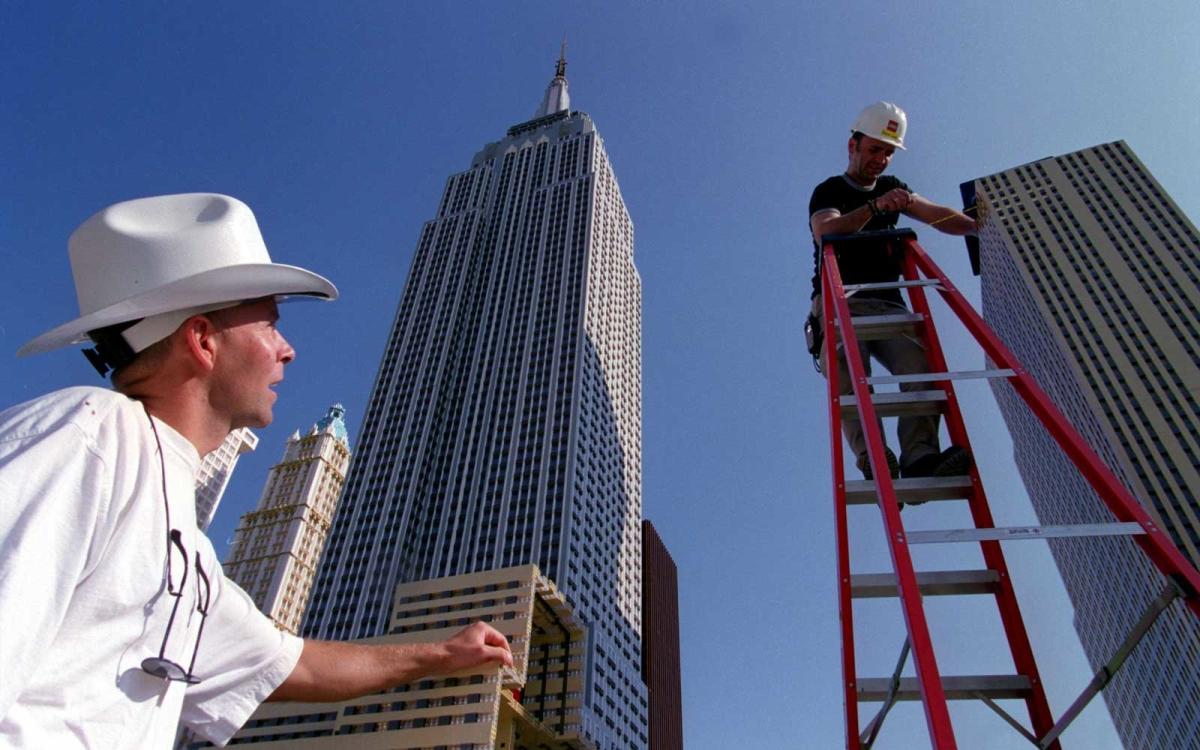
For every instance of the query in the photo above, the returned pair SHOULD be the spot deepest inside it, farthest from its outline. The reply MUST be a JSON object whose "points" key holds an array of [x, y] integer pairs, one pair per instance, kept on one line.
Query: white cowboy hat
{"points": [[174, 254]]}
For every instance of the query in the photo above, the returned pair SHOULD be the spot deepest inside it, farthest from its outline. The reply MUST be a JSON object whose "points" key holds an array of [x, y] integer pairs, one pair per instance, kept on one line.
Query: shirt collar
{"points": [[858, 187], [177, 445]]}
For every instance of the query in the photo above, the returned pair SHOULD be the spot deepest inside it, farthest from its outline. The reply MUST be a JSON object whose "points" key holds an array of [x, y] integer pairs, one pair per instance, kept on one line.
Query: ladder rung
{"points": [[934, 377], [870, 327], [903, 284], [999, 686], [910, 404], [931, 583], [1024, 532], [917, 490]]}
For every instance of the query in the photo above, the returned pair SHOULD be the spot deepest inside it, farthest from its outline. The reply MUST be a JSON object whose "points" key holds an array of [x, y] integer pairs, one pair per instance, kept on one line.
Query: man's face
{"points": [[250, 356], [869, 157]]}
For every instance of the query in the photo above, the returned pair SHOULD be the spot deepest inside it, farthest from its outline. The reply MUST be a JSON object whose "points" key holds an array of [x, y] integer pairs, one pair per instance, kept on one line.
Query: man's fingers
{"points": [[502, 655], [496, 646], [896, 199], [493, 637], [488, 634], [479, 643]]}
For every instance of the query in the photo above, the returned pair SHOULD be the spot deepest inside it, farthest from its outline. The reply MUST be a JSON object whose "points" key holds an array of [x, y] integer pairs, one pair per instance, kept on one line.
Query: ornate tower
{"points": [[275, 549]]}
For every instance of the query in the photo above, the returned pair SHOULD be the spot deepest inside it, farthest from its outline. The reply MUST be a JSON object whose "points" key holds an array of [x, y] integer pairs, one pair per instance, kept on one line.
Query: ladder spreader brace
{"points": [[1182, 580]]}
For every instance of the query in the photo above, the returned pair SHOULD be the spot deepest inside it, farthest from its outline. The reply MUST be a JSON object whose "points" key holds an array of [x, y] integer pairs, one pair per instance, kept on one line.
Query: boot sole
{"points": [[956, 465]]}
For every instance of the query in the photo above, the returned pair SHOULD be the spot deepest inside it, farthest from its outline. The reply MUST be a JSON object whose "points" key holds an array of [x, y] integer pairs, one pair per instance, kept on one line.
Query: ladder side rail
{"points": [[1154, 543], [841, 527], [1011, 620], [933, 696]]}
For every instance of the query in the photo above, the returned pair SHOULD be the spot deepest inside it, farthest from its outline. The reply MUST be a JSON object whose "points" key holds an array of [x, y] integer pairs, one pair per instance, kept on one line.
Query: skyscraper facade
{"points": [[504, 425], [216, 468], [1091, 275], [276, 547]]}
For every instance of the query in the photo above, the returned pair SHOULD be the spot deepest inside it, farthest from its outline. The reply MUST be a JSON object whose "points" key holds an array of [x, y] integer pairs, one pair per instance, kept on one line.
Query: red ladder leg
{"points": [[933, 697]]}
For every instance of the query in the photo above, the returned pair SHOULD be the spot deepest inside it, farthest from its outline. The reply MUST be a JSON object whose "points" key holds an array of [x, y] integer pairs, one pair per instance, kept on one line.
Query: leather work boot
{"points": [[952, 462], [864, 464]]}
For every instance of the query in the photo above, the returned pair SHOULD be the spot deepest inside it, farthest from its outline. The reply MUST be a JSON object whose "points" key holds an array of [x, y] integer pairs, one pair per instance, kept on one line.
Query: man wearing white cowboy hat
{"points": [[862, 199], [116, 622]]}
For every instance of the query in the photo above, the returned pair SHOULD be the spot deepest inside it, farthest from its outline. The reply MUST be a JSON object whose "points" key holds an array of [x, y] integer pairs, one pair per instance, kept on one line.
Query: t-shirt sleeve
{"points": [[824, 198], [54, 501], [242, 659]]}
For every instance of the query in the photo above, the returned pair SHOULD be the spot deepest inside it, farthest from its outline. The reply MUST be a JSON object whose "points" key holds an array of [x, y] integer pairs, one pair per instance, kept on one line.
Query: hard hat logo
{"points": [[882, 120]]}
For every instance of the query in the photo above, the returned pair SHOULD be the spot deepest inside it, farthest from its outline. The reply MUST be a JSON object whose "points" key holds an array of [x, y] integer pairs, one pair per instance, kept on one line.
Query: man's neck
{"points": [[858, 180], [194, 423]]}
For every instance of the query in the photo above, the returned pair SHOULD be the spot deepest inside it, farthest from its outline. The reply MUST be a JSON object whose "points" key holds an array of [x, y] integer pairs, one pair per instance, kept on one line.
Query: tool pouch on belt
{"points": [[813, 336]]}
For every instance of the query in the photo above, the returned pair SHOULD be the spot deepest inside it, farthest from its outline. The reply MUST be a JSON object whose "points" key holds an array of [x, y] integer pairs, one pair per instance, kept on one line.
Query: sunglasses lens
{"points": [[167, 670]]}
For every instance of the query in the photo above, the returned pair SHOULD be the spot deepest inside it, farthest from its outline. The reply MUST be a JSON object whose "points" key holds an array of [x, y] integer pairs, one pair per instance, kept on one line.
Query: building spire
{"points": [[556, 99], [334, 422]]}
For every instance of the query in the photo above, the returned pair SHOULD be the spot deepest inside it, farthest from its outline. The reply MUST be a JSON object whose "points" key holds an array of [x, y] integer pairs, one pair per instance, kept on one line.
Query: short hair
{"points": [[856, 136], [145, 363]]}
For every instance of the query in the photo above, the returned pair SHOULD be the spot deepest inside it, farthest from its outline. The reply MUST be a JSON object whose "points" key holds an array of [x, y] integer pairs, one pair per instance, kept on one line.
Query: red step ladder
{"points": [[930, 686]]}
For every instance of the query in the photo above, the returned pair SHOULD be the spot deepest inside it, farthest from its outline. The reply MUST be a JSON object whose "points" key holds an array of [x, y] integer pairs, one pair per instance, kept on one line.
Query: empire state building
{"points": [[504, 424]]}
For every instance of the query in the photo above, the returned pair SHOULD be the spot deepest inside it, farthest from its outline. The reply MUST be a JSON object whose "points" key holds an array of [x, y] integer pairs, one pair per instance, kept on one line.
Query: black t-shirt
{"points": [[865, 262]]}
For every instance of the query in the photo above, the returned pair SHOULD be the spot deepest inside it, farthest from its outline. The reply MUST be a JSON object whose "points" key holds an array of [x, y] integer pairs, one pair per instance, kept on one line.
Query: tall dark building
{"points": [[660, 642], [504, 426]]}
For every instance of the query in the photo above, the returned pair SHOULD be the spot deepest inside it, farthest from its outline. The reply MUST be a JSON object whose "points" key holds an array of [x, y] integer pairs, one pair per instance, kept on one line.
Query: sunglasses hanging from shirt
{"points": [[161, 666]]}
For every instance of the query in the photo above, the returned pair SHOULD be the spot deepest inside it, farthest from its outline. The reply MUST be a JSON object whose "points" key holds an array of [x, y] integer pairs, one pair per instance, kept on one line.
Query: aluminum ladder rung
{"points": [[916, 490], [934, 377], [904, 284], [1007, 533], [996, 687], [931, 583], [910, 404], [872, 327]]}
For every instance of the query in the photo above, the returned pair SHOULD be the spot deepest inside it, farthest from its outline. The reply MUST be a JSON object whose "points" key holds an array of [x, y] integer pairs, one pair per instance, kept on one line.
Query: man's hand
{"points": [[896, 199], [478, 643], [831, 221], [332, 671]]}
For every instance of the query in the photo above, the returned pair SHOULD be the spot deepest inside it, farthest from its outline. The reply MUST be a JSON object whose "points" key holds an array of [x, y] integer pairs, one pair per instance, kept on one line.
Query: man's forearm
{"points": [[941, 218], [958, 224], [332, 671], [847, 223]]}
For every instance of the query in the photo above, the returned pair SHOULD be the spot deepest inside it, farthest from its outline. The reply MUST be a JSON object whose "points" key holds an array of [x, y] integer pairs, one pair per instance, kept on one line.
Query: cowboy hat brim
{"points": [[245, 281]]}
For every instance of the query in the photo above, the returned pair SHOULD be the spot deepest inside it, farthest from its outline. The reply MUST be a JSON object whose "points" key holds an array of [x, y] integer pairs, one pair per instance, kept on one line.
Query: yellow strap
{"points": [[952, 214]]}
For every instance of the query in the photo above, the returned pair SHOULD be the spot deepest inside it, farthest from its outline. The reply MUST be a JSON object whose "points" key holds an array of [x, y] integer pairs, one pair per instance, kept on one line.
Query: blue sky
{"points": [[339, 123]]}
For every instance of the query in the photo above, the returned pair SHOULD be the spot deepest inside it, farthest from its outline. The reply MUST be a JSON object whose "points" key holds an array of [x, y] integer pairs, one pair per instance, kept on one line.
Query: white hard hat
{"points": [[882, 120], [162, 259]]}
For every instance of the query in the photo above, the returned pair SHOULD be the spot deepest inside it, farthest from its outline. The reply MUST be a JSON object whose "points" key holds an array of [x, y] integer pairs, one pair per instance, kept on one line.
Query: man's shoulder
{"points": [[831, 183], [829, 194], [84, 408]]}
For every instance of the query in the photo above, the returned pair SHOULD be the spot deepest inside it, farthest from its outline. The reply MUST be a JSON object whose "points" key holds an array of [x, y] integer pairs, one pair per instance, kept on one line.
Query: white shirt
{"points": [[83, 598]]}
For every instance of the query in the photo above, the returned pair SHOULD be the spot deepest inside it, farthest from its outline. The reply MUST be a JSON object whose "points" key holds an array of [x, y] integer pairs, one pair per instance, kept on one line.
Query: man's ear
{"points": [[200, 341]]}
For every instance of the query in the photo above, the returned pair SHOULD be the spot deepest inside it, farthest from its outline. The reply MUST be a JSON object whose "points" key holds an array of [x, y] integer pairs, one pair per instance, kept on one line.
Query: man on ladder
{"points": [[864, 199]]}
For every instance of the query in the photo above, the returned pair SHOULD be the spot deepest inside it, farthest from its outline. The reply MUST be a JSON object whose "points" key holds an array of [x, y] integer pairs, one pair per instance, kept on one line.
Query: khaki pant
{"points": [[902, 355]]}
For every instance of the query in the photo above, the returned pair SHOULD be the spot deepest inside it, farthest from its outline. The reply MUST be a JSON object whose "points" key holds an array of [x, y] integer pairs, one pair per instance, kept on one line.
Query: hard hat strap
{"points": [[112, 351]]}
